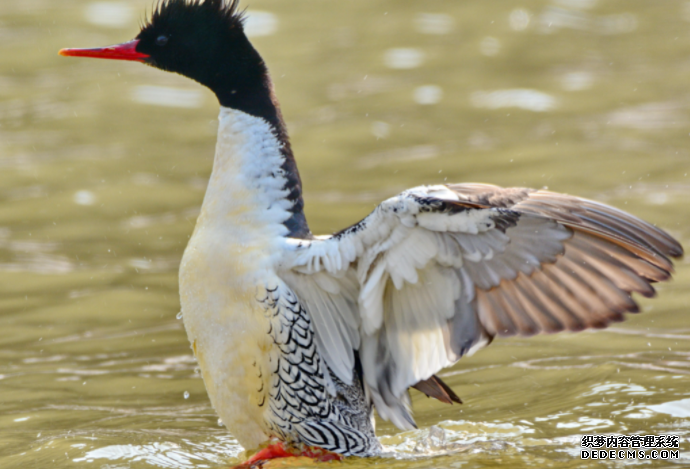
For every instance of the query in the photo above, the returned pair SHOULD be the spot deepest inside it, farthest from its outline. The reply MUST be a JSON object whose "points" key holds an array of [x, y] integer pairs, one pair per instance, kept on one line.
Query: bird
{"points": [[299, 337]]}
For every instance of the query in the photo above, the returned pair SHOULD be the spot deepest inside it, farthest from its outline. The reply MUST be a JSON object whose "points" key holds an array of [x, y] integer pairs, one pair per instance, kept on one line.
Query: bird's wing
{"points": [[438, 271]]}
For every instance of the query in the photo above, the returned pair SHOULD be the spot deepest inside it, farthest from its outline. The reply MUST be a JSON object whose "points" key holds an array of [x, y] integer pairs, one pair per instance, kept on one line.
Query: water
{"points": [[102, 179]]}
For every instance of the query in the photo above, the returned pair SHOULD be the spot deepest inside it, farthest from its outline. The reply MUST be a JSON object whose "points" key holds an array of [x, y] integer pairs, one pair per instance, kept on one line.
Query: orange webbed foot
{"points": [[278, 451]]}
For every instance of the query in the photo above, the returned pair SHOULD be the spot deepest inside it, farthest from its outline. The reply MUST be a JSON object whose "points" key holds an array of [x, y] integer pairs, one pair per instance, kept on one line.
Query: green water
{"points": [[100, 187]]}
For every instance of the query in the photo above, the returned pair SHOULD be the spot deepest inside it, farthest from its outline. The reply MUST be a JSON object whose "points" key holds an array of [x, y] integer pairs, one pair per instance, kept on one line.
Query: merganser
{"points": [[300, 337]]}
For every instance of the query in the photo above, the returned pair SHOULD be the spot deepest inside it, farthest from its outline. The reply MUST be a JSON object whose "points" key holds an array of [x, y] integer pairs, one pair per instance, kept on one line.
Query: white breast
{"points": [[230, 258]]}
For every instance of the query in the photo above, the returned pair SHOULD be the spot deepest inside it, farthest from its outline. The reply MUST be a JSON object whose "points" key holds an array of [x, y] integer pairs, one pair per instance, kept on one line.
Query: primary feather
{"points": [[444, 269]]}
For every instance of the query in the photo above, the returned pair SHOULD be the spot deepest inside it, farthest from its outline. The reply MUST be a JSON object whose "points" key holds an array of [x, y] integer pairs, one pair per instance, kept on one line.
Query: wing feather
{"points": [[436, 272]]}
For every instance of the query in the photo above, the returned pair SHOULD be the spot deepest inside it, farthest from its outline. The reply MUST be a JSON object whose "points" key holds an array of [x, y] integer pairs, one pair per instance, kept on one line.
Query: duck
{"points": [[300, 337]]}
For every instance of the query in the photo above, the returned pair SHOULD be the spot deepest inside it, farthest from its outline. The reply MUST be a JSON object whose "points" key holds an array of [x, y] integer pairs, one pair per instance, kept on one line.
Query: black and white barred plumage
{"points": [[307, 404]]}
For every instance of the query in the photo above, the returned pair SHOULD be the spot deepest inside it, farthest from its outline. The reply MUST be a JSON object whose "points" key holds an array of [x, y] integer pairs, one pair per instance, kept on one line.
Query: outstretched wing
{"points": [[438, 271]]}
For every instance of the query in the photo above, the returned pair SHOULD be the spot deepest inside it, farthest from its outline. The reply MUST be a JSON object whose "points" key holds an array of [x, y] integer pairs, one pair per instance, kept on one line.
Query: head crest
{"points": [[167, 11]]}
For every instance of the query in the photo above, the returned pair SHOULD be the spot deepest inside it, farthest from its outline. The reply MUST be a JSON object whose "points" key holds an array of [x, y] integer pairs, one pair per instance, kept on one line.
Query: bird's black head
{"points": [[205, 41]]}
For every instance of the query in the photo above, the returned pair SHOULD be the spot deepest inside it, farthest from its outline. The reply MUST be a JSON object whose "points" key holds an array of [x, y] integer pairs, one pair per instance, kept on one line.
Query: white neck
{"points": [[246, 185], [245, 203]]}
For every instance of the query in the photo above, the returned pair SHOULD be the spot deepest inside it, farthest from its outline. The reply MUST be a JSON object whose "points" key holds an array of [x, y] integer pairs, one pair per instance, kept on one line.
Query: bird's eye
{"points": [[161, 40]]}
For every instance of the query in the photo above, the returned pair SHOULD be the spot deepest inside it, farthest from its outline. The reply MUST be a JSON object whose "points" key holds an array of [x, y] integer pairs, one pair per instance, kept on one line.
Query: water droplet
{"points": [[186, 394], [179, 315]]}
